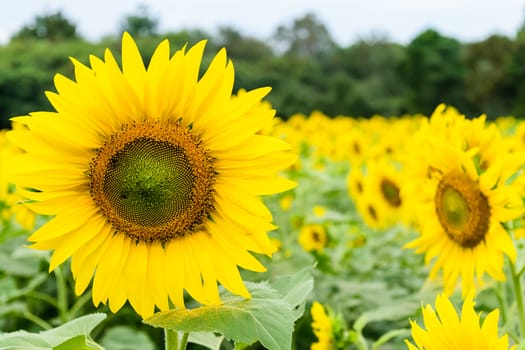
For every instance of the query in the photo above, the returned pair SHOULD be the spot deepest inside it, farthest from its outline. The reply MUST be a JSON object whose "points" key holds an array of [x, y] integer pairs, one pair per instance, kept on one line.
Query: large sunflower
{"points": [[153, 176], [461, 195], [445, 330]]}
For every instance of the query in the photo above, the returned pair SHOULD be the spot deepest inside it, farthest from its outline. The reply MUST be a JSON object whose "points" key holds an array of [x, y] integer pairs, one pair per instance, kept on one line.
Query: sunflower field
{"points": [[157, 208]]}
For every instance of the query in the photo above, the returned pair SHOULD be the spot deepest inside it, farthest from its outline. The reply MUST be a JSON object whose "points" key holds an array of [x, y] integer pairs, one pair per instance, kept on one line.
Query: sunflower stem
{"points": [[37, 320], [78, 305], [171, 339], [502, 299], [184, 341], [61, 294], [516, 285]]}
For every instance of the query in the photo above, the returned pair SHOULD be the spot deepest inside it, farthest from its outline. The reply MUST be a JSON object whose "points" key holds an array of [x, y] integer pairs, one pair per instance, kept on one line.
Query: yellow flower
{"points": [[312, 237], [458, 189], [322, 328], [445, 330], [382, 191], [319, 211], [286, 202], [153, 176], [355, 182], [9, 198]]}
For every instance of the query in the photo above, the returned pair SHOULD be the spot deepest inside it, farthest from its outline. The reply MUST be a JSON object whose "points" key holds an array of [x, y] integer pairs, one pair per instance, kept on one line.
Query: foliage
{"points": [[141, 23], [306, 69], [53, 27]]}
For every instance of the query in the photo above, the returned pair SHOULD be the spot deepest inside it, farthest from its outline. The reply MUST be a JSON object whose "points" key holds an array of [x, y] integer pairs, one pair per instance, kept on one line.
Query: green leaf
{"points": [[54, 338], [126, 338], [77, 343], [268, 317], [19, 266], [295, 288], [394, 333], [206, 339]]}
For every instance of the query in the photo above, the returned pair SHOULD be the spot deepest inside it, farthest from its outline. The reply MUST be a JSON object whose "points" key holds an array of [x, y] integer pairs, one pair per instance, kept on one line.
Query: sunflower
{"points": [[9, 198], [322, 328], [153, 177], [313, 237], [355, 182], [382, 185], [445, 330], [460, 193]]}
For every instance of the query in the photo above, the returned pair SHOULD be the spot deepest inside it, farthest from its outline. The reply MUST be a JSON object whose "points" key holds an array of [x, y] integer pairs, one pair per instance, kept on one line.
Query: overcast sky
{"points": [[346, 20]]}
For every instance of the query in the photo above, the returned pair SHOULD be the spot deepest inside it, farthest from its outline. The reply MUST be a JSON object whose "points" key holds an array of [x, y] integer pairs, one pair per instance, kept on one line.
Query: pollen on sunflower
{"points": [[154, 176]]}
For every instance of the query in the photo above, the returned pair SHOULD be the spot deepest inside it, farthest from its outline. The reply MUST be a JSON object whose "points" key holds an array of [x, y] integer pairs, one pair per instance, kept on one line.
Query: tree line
{"points": [[305, 67]]}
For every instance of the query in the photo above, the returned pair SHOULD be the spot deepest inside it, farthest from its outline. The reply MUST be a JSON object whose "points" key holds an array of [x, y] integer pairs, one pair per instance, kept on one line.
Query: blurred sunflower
{"points": [[9, 198], [313, 237], [383, 186], [355, 182], [445, 330], [460, 194], [322, 328], [154, 177]]}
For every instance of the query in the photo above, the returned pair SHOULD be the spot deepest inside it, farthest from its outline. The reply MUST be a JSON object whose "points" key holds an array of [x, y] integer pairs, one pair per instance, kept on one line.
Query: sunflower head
{"points": [[461, 192], [443, 326], [153, 176], [313, 237]]}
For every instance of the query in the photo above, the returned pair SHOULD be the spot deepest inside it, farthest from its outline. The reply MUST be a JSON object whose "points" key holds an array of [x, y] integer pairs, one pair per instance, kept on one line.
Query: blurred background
{"points": [[355, 58]]}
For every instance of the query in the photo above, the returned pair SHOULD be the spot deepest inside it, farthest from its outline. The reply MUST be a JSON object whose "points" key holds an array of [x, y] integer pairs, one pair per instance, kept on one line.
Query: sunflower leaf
{"points": [[295, 288], [124, 338], [71, 335], [268, 317]]}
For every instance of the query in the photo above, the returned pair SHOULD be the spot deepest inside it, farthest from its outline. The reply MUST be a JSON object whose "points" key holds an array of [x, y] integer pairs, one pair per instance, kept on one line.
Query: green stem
{"points": [[502, 299], [171, 339], [184, 341], [78, 305], [37, 320], [61, 294], [516, 285], [43, 297]]}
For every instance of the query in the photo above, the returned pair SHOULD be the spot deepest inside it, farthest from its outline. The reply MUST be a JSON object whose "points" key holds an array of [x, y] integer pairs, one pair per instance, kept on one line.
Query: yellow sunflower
{"points": [[9, 198], [153, 176], [355, 182], [461, 196], [322, 328], [383, 185], [313, 237], [446, 331]]}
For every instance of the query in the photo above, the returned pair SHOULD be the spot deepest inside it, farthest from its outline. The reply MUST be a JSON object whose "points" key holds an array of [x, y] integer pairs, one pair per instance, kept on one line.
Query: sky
{"points": [[346, 20]]}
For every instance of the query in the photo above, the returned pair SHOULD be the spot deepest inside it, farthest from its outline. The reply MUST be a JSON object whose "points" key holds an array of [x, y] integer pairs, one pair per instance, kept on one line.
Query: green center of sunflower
{"points": [[149, 182], [390, 192], [153, 182], [463, 210]]}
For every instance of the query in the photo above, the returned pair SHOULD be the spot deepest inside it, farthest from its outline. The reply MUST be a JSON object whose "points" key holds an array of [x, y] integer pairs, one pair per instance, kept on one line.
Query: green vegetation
{"points": [[305, 67]]}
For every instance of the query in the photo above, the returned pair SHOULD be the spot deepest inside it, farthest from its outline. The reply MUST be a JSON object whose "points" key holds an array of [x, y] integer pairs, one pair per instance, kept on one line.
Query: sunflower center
{"points": [[390, 192], [153, 182], [149, 182], [463, 210]]}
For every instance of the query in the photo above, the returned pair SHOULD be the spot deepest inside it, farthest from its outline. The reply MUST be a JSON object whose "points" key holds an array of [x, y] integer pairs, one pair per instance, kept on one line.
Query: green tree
{"points": [[515, 76], [487, 64], [373, 65], [433, 72], [242, 47], [52, 27], [307, 36], [140, 23]]}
